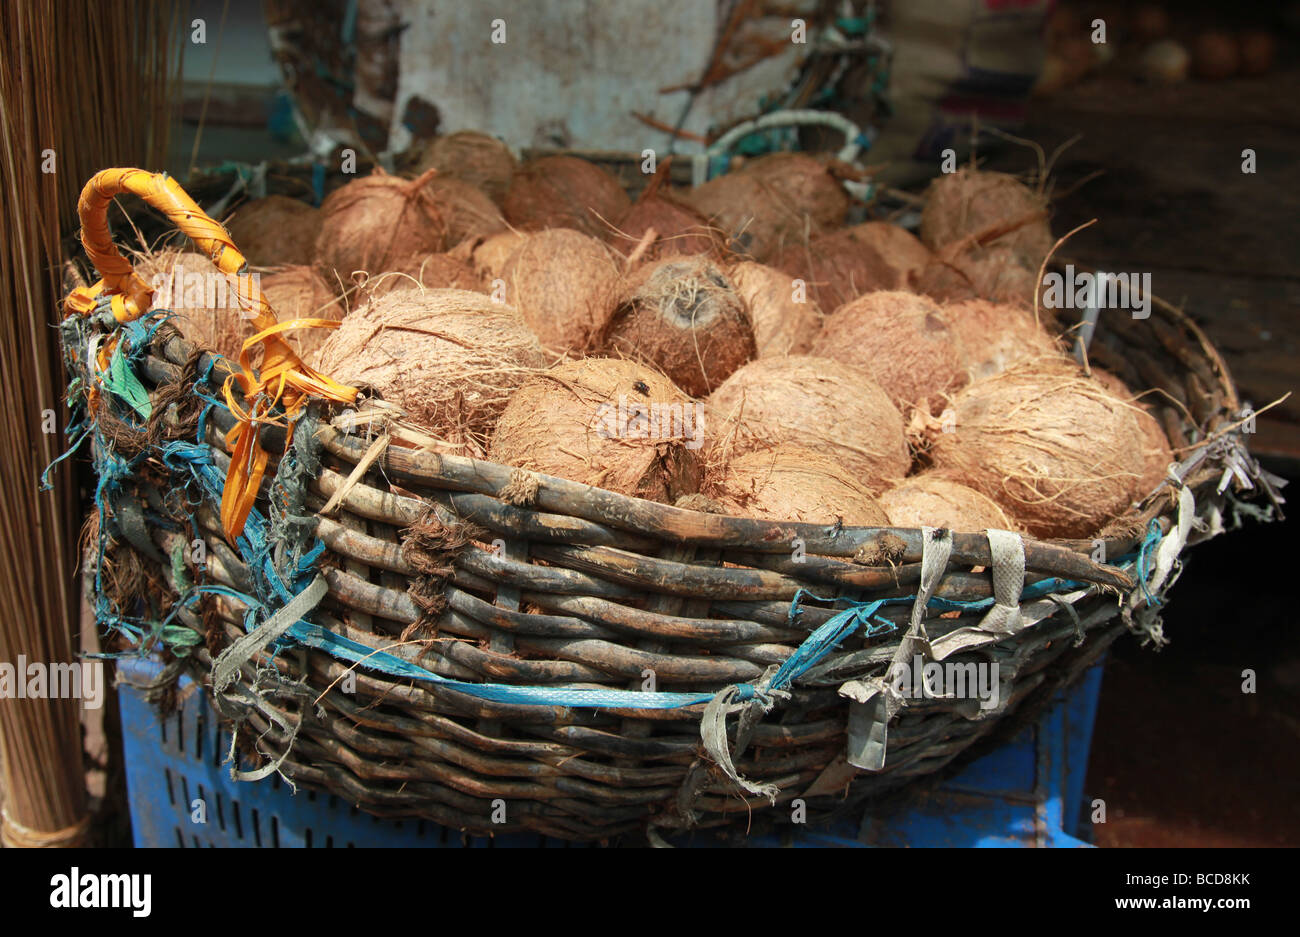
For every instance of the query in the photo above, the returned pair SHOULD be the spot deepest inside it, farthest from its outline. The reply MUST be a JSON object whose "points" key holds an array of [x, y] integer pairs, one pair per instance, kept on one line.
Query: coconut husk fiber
{"points": [[1058, 452], [902, 340], [434, 272], [298, 292], [772, 202], [377, 223], [565, 285], [489, 256], [970, 203], [998, 274], [564, 192], [275, 231], [1156, 451], [899, 248], [992, 337], [450, 358], [817, 403], [792, 483], [465, 208], [683, 316], [679, 230], [607, 422], [929, 500], [204, 301], [784, 318], [838, 268], [482, 161]]}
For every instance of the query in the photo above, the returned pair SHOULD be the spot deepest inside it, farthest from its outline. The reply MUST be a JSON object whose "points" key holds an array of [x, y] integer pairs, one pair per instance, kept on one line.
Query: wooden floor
{"points": [[1172, 201]]}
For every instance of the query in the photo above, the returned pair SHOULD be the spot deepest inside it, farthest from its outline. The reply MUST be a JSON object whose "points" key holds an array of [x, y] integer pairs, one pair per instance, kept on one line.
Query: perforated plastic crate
{"points": [[1028, 792]]}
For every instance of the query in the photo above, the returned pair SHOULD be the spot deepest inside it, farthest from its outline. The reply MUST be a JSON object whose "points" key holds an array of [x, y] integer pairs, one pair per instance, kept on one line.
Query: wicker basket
{"points": [[536, 654]]}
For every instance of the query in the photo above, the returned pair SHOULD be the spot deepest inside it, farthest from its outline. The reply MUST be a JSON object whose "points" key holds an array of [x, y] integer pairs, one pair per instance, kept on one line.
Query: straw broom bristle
{"points": [[84, 86]]}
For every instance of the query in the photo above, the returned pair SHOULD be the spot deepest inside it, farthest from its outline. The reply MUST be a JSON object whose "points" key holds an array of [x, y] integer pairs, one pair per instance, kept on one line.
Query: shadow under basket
{"points": [[599, 664]]}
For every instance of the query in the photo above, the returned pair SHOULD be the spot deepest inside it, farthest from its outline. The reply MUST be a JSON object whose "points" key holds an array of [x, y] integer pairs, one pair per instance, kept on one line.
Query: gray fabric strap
{"points": [[713, 728], [226, 668], [1008, 552], [876, 701]]}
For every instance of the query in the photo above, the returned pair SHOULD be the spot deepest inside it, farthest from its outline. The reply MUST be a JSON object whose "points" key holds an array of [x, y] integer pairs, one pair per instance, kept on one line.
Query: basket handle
{"points": [[282, 380]]}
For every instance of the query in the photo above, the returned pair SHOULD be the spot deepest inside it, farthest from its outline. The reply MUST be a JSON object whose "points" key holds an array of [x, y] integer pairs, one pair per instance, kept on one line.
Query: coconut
{"points": [[299, 293], [929, 500], [901, 340], [489, 257], [991, 337], [275, 230], [1156, 451], [683, 316], [791, 483], [999, 274], [606, 422], [433, 272], [564, 192], [450, 358], [774, 201], [1059, 453], [204, 301], [476, 158], [467, 211], [377, 223], [679, 229], [968, 202], [838, 268], [565, 284], [783, 318], [820, 404], [901, 249]]}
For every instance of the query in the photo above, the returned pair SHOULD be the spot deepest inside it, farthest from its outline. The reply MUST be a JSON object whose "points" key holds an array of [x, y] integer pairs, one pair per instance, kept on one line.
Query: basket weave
{"points": [[482, 574]]}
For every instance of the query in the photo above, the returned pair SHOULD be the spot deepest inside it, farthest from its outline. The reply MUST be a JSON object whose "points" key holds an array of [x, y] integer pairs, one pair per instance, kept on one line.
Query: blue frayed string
{"points": [[1149, 543]]}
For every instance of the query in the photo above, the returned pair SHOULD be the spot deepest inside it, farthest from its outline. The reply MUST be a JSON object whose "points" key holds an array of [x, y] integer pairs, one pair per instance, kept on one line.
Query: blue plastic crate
{"points": [[1028, 792]]}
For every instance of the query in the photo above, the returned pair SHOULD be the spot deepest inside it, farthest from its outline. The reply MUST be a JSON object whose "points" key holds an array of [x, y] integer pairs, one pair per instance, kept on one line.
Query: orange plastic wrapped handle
{"points": [[282, 380]]}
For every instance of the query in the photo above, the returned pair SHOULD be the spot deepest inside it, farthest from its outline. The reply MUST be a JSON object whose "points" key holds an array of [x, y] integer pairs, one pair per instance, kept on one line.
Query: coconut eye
{"points": [[642, 388]]}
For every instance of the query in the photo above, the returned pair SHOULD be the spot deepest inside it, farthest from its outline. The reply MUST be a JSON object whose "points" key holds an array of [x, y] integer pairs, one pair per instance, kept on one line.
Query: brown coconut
{"points": [[489, 257], [607, 422], [901, 249], [275, 230], [482, 161], [900, 339], [784, 319], [377, 223], [929, 500], [565, 284], [299, 293], [1156, 451], [791, 483], [1060, 454], [450, 358], [679, 230], [683, 316], [564, 192], [838, 268], [434, 272], [774, 201], [820, 404], [467, 211], [998, 274], [969, 202], [992, 337], [203, 300]]}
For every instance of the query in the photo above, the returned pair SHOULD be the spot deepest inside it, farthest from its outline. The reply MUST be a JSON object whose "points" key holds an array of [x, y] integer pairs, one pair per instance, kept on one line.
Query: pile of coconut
{"points": [[738, 347]]}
